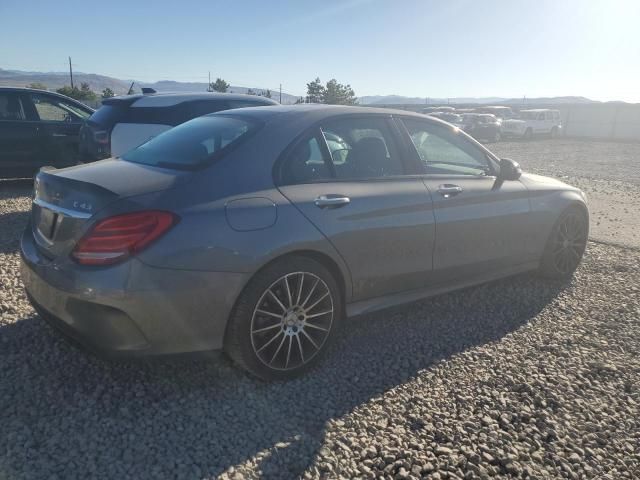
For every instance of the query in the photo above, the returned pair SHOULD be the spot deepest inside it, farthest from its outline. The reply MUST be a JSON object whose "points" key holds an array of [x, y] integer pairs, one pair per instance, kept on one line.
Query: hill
{"points": [[55, 80]]}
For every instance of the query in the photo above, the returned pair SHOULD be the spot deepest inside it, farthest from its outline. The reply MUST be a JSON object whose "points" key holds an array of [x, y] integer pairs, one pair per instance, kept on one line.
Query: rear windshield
{"points": [[192, 144]]}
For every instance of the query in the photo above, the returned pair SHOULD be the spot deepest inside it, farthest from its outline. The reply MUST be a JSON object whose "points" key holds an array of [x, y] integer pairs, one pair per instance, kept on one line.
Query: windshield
{"points": [[193, 143]]}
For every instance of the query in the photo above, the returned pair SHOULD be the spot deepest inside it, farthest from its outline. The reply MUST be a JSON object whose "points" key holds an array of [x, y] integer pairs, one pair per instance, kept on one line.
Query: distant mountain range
{"points": [[55, 80]]}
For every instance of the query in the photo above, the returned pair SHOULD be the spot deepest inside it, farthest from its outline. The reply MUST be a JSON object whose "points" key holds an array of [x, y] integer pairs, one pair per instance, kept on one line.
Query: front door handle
{"points": [[331, 201], [449, 190]]}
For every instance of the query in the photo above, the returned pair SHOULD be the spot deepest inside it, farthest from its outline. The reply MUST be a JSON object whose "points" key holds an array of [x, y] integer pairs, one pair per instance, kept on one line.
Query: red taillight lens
{"points": [[116, 238]]}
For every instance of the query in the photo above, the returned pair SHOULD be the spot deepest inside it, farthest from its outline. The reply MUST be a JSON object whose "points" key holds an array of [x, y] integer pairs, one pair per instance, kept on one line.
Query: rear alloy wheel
{"points": [[284, 319], [566, 245]]}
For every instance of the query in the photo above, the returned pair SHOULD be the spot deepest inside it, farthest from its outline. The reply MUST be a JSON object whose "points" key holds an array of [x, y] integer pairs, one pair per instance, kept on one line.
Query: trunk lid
{"points": [[66, 200]]}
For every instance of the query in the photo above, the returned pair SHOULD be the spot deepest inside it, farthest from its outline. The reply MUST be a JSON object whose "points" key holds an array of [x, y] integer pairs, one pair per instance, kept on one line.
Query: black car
{"points": [[38, 128], [482, 126]]}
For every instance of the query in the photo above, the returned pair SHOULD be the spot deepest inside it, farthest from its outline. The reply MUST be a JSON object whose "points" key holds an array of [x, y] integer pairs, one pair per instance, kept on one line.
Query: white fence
{"points": [[602, 120], [611, 121]]}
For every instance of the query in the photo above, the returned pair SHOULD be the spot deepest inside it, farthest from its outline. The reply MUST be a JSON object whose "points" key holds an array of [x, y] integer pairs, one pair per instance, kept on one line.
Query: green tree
{"points": [[108, 93], [251, 92], [219, 85], [299, 101], [83, 93], [86, 92], [37, 86], [315, 91], [267, 93], [337, 94]]}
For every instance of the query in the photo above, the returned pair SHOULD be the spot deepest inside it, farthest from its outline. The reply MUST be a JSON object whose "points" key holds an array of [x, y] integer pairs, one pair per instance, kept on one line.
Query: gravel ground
{"points": [[515, 379]]}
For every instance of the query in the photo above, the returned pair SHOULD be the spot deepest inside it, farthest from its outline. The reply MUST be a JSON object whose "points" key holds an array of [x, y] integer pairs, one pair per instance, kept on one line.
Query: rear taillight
{"points": [[101, 137], [115, 238]]}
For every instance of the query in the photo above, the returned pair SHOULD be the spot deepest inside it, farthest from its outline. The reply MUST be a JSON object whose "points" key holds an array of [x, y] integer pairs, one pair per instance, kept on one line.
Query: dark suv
{"points": [[123, 123], [38, 128]]}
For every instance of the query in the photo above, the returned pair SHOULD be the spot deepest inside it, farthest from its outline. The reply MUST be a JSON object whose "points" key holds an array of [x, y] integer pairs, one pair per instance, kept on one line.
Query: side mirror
{"points": [[509, 169]]}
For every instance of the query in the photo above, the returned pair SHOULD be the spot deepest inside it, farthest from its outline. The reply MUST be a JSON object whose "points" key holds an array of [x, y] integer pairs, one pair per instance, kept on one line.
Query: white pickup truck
{"points": [[539, 121]]}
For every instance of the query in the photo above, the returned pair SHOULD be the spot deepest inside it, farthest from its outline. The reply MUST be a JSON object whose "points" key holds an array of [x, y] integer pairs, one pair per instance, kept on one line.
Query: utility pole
{"points": [[209, 84], [280, 93], [70, 72]]}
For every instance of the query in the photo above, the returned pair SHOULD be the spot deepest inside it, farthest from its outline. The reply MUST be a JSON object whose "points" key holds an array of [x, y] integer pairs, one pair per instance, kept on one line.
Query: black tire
{"points": [[554, 132], [272, 319], [566, 244], [528, 134]]}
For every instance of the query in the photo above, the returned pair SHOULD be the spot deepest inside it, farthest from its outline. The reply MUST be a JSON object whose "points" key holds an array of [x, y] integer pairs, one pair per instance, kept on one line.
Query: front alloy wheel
{"points": [[566, 244]]}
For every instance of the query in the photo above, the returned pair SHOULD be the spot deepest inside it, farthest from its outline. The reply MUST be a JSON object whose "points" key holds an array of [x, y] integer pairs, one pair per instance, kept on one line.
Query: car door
{"points": [[482, 223], [348, 176], [60, 123], [20, 140]]}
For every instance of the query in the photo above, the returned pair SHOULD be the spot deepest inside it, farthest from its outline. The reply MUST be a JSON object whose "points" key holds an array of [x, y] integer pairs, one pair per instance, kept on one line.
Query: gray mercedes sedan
{"points": [[258, 231]]}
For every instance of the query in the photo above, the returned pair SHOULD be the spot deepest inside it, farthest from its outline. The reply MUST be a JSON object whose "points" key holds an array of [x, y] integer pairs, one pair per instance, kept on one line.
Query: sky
{"points": [[422, 48]]}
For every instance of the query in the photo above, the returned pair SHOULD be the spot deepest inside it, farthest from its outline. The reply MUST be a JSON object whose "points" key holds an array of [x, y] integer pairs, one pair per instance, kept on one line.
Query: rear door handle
{"points": [[331, 201], [449, 190]]}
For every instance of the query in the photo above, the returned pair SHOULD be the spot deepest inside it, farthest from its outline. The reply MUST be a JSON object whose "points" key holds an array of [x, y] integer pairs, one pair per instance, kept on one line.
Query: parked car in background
{"points": [[482, 126], [539, 121], [445, 108], [38, 128], [258, 230], [500, 111], [450, 117], [123, 123]]}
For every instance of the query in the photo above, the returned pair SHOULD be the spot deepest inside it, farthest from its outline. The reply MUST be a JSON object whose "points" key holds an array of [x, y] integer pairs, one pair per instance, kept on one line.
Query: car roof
{"points": [[44, 92], [167, 99], [309, 113]]}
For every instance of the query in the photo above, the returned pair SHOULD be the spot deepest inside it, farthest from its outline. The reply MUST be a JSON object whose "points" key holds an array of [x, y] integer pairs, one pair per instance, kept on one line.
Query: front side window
{"points": [[193, 143], [51, 109], [11, 107], [445, 153], [362, 148]]}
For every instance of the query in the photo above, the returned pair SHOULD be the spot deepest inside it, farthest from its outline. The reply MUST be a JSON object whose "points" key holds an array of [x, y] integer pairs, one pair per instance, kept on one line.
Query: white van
{"points": [[538, 121]]}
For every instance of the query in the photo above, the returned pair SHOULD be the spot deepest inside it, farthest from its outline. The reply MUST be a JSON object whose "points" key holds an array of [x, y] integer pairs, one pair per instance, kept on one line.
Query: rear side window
{"points": [[11, 107], [362, 148], [192, 144], [356, 148], [306, 163]]}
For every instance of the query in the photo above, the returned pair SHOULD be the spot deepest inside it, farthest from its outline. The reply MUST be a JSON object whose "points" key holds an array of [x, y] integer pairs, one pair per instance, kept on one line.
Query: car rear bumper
{"points": [[131, 309]]}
